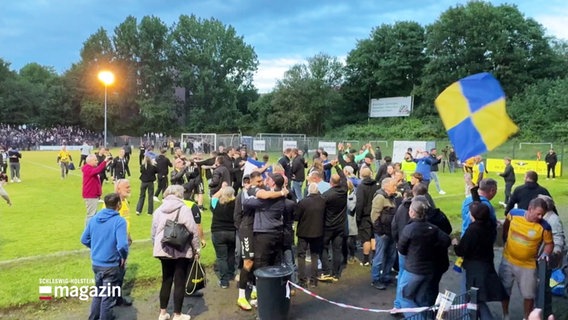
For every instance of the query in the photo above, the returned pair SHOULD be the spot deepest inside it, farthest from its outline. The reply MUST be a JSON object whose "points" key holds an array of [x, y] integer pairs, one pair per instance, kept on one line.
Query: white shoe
{"points": [[164, 317], [156, 199], [442, 192], [182, 317], [12, 180]]}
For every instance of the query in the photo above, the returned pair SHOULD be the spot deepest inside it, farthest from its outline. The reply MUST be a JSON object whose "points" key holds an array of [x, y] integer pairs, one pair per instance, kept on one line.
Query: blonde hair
{"points": [[227, 195]]}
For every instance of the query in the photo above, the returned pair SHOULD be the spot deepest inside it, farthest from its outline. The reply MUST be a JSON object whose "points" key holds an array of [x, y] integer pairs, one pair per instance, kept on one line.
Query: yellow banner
{"points": [[522, 166]]}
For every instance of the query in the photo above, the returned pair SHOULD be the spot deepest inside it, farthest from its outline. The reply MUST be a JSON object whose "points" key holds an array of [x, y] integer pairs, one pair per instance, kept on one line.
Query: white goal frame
{"points": [[534, 143], [212, 137], [376, 142]]}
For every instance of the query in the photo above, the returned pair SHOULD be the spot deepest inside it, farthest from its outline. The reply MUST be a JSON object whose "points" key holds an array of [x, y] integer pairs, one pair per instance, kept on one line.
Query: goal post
{"points": [[521, 144], [198, 142]]}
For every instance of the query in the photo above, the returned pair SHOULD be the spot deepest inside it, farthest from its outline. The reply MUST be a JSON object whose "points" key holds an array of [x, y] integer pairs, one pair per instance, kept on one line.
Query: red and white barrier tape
{"points": [[469, 306], [343, 305]]}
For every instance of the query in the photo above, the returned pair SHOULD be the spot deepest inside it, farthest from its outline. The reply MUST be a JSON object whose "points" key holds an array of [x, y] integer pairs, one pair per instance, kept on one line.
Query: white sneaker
{"points": [[12, 180], [442, 192], [156, 199], [182, 317], [164, 316]]}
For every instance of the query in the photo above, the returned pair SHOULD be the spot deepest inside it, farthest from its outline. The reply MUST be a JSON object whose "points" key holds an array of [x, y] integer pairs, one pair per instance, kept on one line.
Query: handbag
{"points": [[196, 279], [176, 235]]}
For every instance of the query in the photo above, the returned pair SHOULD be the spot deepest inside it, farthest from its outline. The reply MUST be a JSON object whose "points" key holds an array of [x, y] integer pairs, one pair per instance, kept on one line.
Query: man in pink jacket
{"points": [[92, 188]]}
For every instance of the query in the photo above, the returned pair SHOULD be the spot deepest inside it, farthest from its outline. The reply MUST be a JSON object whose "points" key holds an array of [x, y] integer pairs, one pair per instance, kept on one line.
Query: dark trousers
{"points": [[267, 249], [332, 241], [551, 168], [352, 246], [174, 271], [101, 307], [224, 244], [508, 188], [315, 246], [162, 185], [146, 187], [83, 160]]}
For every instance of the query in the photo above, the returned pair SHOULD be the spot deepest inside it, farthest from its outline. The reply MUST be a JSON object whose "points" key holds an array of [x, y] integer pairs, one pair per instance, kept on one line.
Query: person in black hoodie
{"points": [[525, 193], [223, 234], [382, 171], [419, 242], [509, 177], [310, 216], [148, 173], [334, 225], [298, 174], [551, 160], [476, 248], [163, 164], [364, 194], [284, 161], [220, 174], [120, 166]]}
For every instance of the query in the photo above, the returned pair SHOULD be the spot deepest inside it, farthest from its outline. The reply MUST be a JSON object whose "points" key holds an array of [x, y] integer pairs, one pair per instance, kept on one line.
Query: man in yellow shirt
{"points": [[523, 233], [63, 160]]}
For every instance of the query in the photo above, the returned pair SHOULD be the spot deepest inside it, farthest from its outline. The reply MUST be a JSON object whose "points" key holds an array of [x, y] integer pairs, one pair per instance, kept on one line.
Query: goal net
{"points": [[198, 142]]}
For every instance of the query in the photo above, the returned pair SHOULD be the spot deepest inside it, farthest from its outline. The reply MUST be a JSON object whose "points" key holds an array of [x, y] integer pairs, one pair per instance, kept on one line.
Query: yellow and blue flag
{"points": [[474, 115]]}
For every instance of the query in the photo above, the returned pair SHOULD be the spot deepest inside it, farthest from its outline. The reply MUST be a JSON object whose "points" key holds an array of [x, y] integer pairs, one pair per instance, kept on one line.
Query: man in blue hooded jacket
{"points": [[107, 238]]}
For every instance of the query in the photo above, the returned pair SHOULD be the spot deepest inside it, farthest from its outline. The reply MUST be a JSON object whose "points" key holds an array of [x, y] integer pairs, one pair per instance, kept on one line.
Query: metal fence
{"points": [[275, 143], [463, 307]]}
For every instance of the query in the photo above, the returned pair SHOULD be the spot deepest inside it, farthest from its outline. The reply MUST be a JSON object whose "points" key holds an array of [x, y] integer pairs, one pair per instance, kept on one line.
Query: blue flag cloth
{"points": [[474, 115]]}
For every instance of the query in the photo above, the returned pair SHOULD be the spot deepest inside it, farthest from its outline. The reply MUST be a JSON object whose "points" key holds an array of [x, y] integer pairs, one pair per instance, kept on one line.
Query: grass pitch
{"points": [[40, 234]]}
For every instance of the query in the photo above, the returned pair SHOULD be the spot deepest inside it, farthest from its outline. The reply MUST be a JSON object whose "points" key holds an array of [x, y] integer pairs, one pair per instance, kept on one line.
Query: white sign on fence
{"points": [[289, 144], [259, 145], [399, 148], [57, 148], [328, 147], [390, 107]]}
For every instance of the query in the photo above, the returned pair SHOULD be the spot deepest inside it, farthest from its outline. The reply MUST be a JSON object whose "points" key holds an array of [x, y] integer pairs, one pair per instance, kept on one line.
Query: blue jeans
{"points": [[291, 263], [398, 297], [224, 244], [434, 177], [452, 166], [297, 188], [383, 261], [101, 306], [414, 290]]}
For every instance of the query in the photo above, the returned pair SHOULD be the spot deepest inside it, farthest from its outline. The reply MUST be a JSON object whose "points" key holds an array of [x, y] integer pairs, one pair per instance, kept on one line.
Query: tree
{"points": [[215, 66], [307, 99], [542, 110], [388, 64], [478, 37]]}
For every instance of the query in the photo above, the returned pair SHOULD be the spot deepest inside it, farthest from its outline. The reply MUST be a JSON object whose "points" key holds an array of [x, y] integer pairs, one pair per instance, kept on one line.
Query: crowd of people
{"points": [[30, 137], [332, 207]]}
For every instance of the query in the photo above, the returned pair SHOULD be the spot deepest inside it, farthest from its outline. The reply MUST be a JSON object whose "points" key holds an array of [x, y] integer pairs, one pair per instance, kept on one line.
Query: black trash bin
{"points": [[272, 287]]}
